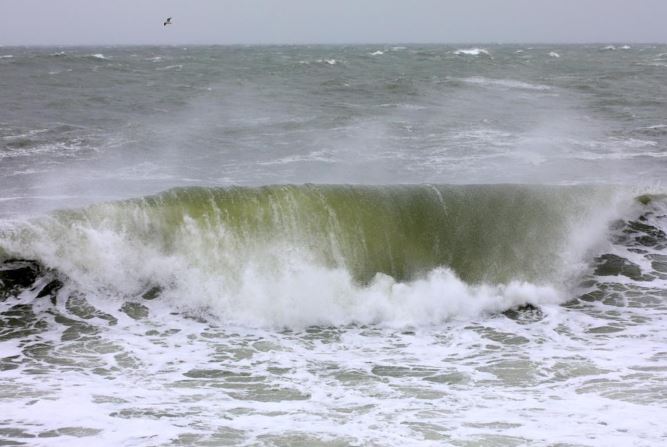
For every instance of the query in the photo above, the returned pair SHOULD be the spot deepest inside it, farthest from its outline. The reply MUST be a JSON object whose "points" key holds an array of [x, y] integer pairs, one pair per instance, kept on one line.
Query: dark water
{"points": [[290, 246]]}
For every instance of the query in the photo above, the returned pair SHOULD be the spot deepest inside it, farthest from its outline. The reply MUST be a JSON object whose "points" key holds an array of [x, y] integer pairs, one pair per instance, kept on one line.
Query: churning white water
{"points": [[333, 246]]}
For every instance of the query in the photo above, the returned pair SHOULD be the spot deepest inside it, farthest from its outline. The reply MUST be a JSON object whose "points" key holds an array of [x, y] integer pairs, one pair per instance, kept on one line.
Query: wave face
{"points": [[351, 253]]}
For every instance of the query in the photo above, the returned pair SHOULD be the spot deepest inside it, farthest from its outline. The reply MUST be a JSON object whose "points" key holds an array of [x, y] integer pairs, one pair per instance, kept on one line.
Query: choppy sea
{"points": [[385, 245]]}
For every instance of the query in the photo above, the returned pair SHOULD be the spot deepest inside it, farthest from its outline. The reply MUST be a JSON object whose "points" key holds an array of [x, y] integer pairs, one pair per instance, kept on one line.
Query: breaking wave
{"points": [[505, 83], [471, 52], [304, 255]]}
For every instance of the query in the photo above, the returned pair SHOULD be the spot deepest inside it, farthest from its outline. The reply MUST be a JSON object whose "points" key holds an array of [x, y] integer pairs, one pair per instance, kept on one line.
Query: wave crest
{"points": [[345, 254]]}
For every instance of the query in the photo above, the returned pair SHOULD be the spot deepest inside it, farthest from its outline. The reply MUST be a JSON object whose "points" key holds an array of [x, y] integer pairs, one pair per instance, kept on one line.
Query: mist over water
{"points": [[333, 245], [122, 122]]}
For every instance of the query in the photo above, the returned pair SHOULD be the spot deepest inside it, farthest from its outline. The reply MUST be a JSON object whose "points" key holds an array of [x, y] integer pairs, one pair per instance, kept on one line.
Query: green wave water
{"points": [[485, 234]]}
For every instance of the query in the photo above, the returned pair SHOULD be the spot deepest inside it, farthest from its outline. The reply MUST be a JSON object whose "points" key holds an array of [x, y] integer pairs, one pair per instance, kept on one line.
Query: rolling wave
{"points": [[336, 254]]}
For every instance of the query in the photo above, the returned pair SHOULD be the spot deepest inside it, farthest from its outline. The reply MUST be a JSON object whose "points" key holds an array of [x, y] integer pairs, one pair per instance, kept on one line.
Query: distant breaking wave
{"points": [[508, 83], [472, 52], [320, 61], [170, 67]]}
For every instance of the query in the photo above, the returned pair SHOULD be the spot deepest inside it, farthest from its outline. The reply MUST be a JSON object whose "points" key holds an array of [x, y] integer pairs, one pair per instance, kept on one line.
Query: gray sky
{"points": [[91, 22]]}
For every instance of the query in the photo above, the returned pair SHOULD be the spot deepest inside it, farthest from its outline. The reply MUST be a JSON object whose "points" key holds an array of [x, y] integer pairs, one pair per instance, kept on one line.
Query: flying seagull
{"points": [[167, 22]]}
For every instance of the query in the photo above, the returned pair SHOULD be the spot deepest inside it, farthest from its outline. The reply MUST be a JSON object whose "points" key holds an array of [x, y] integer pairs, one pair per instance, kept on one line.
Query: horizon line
{"points": [[303, 44]]}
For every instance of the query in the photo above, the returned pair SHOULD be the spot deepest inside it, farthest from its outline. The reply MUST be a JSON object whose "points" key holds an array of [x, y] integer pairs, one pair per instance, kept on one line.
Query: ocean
{"points": [[380, 245]]}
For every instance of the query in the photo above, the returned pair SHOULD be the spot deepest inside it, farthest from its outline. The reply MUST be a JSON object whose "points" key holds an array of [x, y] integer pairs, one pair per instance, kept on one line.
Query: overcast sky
{"points": [[93, 22]]}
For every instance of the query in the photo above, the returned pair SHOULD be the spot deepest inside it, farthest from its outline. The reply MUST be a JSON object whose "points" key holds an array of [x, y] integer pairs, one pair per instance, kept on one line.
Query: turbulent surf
{"points": [[333, 246], [340, 249]]}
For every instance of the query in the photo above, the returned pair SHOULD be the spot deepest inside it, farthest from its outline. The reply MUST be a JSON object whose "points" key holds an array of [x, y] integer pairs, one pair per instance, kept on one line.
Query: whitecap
{"points": [[98, 56], [554, 54], [471, 52], [315, 156], [326, 61], [377, 53], [57, 72], [637, 143], [657, 127], [170, 67], [7, 56], [319, 61], [506, 83]]}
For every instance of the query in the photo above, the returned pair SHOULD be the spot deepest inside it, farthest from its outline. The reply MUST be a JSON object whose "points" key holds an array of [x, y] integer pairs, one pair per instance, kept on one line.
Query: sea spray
{"points": [[338, 254]]}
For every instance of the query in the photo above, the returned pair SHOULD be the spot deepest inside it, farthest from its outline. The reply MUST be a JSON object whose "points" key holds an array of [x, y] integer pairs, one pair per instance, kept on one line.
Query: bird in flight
{"points": [[167, 22]]}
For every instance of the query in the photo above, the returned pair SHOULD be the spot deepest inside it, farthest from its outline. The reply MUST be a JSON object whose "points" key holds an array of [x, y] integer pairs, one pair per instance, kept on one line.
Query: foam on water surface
{"points": [[167, 379], [508, 83], [298, 256], [472, 52], [318, 358], [233, 313]]}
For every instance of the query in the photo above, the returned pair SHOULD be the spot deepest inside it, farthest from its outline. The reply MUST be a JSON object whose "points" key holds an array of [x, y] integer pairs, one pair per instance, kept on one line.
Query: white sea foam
{"points": [[354, 385], [99, 56], [277, 284], [170, 67], [654, 127], [472, 52], [637, 143], [594, 370], [315, 156], [282, 288], [507, 83], [377, 53], [27, 134], [7, 56], [554, 54], [319, 61], [57, 72], [327, 297], [61, 149]]}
